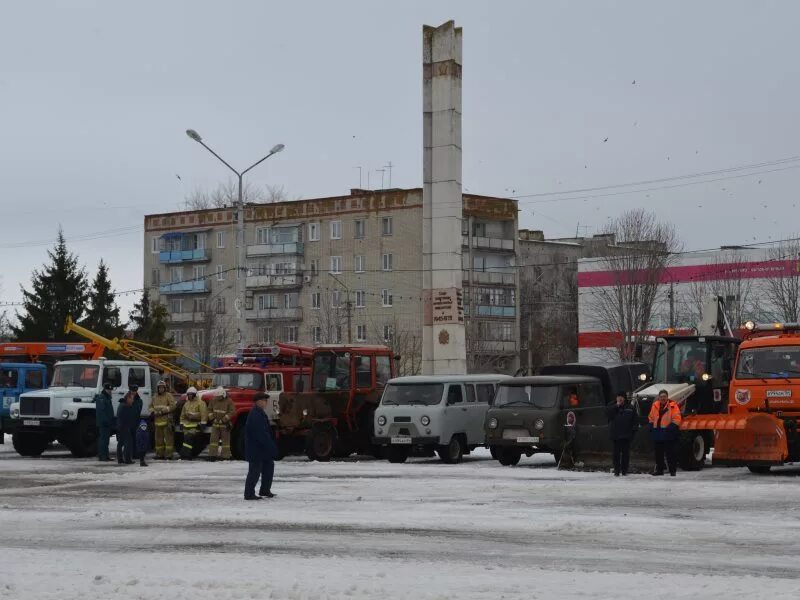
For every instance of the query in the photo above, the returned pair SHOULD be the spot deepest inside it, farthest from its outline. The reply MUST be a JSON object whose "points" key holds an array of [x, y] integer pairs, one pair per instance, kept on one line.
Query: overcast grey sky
{"points": [[95, 97]]}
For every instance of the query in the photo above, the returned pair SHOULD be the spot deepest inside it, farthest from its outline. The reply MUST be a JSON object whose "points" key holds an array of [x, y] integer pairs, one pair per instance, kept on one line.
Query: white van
{"points": [[442, 413]]}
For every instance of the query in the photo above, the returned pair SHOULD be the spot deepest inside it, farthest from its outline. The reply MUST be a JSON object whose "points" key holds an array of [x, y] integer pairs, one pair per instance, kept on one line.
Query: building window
{"points": [[176, 305], [199, 272], [337, 334], [176, 274], [336, 264], [262, 235], [336, 298], [199, 305], [220, 305], [359, 263], [290, 300], [154, 244], [386, 226], [290, 333], [155, 277], [316, 298], [464, 226], [314, 266], [361, 333], [386, 297], [388, 259], [220, 273], [220, 239], [360, 229], [198, 337], [361, 299], [265, 335], [313, 232], [316, 334], [267, 301], [479, 230], [336, 230], [388, 333], [177, 337]]}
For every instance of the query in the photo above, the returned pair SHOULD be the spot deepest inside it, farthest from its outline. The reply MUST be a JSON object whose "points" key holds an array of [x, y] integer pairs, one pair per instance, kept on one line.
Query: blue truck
{"points": [[16, 379]]}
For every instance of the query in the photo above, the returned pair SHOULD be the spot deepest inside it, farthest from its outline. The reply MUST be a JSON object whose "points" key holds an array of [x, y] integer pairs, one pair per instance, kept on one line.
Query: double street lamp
{"points": [[240, 246]]}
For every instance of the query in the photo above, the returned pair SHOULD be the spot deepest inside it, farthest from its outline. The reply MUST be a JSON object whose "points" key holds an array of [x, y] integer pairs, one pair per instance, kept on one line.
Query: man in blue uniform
{"points": [[260, 450]]}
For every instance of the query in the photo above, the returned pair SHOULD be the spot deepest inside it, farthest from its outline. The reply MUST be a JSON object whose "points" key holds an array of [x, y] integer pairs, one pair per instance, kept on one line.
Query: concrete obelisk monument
{"points": [[443, 335]]}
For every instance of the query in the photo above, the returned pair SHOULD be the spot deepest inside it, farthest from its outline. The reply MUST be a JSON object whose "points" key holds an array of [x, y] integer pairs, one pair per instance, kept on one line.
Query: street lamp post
{"points": [[239, 304]]}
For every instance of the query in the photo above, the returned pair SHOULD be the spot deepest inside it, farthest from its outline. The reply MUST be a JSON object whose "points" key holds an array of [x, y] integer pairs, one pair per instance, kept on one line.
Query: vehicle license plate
{"points": [[32, 422], [401, 440], [527, 440]]}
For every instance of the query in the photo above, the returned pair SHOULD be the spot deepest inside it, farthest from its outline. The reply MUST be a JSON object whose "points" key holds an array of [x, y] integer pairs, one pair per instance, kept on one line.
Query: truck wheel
{"points": [[29, 443], [397, 454], [83, 441], [453, 452], [692, 450], [759, 469], [319, 444], [509, 457]]}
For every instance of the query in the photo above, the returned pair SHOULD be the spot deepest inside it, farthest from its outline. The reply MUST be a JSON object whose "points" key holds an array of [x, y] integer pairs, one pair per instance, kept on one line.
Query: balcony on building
{"points": [[487, 243], [499, 236], [277, 314], [277, 240], [187, 317], [198, 286], [273, 281], [183, 247], [490, 277], [491, 347], [490, 310]]}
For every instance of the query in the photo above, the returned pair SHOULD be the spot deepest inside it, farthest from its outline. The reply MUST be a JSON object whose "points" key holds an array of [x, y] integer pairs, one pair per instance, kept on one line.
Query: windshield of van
{"points": [[76, 376], [250, 381], [537, 396], [426, 394], [769, 363]]}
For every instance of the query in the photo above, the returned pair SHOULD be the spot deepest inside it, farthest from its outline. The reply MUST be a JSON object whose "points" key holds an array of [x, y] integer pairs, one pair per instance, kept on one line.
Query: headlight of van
{"points": [[425, 421], [492, 423], [539, 425], [382, 420], [65, 414], [15, 413]]}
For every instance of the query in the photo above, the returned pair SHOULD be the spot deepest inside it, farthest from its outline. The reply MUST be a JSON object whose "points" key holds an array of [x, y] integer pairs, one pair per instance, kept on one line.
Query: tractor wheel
{"points": [[493, 451], [453, 452], [692, 450], [30, 443], [82, 442], [759, 469], [320, 444], [509, 457], [398, 454]]}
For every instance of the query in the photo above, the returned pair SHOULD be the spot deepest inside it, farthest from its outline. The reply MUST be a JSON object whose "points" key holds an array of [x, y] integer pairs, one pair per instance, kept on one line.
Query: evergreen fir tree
{"points": [[57, 291], [149, 322], [103, 314]]}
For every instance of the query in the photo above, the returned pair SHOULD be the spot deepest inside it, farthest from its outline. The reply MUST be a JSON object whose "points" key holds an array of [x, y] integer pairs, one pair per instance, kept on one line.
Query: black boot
{"points": [[266, 494]]}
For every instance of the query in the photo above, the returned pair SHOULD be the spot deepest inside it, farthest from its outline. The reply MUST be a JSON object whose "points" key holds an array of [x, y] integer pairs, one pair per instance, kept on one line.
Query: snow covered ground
{"points": [[74, 529]]}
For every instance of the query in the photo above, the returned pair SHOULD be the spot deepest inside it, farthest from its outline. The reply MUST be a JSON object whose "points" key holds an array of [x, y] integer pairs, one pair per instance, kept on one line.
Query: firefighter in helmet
{"points": [[193, 415], [220, 413], [163, 407]]}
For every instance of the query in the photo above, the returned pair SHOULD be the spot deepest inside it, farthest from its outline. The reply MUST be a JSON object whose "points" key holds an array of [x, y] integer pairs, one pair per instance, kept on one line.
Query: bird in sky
{"points": [[633, 82], [605, 140], [179, 177]]}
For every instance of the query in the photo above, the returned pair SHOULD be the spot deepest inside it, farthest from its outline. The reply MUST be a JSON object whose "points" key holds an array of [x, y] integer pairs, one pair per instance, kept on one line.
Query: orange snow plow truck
{"points": [[761, 427]]}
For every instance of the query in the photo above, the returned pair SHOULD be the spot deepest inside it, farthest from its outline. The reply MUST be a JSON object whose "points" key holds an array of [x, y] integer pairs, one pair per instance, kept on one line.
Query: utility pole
{"points": [[239, 303], [671, 305]]}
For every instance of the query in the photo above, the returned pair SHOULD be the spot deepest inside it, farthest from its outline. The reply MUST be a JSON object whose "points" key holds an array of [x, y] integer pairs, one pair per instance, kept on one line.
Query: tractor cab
{"points": [[335, 415]]}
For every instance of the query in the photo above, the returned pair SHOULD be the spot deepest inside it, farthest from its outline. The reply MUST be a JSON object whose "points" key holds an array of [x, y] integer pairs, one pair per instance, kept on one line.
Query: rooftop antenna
{"points": [[381, 171], [368, 187], [389, 167], [359, 176]]}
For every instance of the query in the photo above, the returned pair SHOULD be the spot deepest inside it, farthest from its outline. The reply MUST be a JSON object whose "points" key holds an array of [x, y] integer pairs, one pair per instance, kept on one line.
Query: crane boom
{"points": [[156, 356]]}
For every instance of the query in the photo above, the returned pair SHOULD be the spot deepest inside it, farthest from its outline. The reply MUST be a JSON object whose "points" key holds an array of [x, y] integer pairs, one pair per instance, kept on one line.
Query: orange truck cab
{"points": [[760, 428]]}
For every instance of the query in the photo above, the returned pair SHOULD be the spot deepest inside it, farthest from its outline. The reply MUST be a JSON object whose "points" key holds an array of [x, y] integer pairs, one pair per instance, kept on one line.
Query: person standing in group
{"points": [[193, 415], [142, 441], [220, 411], [665, 423], [104, 417], [127, 418], [260, 450], [622, 426], [163, 408]]}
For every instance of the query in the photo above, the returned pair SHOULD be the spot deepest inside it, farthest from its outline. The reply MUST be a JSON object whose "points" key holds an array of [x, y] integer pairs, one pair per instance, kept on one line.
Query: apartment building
{"points": [[330, 270]]}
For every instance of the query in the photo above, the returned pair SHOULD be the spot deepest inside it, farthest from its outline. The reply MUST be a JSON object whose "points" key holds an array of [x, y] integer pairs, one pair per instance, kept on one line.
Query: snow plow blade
{"points": [[754, 439]]}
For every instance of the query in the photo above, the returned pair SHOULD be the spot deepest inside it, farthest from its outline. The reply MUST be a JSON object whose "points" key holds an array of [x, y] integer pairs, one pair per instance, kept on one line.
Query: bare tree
{"points": [[783, 290], [330, 317], [5, 327], [214, 333], [626, 305], [227, 194], [404, 341]]}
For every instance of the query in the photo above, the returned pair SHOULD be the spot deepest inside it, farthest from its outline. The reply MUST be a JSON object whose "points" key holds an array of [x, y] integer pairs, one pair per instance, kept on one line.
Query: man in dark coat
{"points": [[622, 426], [259, 449], [127, 419], [104, 418], [138, 446]]}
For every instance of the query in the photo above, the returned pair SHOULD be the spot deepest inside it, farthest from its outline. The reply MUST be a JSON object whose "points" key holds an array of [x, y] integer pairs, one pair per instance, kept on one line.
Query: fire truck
{"points": [[335, 416], [760, 429]]}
